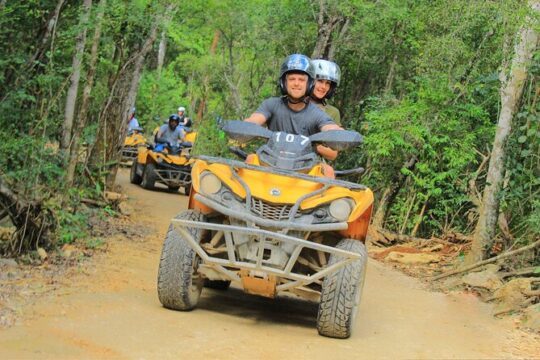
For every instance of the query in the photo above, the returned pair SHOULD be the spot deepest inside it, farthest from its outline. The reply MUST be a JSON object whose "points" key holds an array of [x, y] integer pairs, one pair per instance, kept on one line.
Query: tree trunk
{"points": [[202, 104], [12, 76], [161, 52], [420, 218], [83, 113], [331, 28], [339, 40], [51, 25], [231, 78], [391, 192], [115, 121], [71, 99], [511, 90], [117, 127], [379, 216], [33, 222]]}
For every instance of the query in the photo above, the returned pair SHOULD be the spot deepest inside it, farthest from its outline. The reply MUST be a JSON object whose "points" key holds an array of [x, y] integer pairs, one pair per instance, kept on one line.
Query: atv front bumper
{"points": [[129, 153], [174, 176], [227, 268]]}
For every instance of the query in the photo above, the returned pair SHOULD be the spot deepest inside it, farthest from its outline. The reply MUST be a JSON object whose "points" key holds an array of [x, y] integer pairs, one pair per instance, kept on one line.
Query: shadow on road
{"points": [[284, 310]]}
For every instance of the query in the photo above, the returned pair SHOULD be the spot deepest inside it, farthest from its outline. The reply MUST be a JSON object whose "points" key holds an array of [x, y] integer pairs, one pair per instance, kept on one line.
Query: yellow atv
{"points": [[133, 141], [168, 165], [277, 223]]}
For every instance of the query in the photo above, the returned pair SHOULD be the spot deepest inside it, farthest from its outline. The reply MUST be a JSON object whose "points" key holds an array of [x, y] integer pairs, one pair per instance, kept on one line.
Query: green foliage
{"points": [[211, 140], [95, 243], [420, 81]]}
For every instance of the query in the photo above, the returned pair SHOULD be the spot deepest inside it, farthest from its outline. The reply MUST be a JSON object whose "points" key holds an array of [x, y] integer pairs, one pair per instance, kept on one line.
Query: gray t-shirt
{"points": [[279, 117], [165, 134]]}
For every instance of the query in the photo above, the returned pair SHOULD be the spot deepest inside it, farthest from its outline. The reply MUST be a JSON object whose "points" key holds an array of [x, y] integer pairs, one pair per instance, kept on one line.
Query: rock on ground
{"points": [[531, 318], [420, 258], [487, 279]]}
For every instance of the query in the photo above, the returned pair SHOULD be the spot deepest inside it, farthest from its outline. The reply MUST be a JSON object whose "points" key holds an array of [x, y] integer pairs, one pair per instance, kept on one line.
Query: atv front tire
{"points": [[135, 178], [149, 176], [179, 284], [341, 293]]}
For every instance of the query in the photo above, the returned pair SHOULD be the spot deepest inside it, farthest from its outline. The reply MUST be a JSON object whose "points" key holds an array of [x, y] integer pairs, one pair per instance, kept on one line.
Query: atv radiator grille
{"points": [[271, 211]]}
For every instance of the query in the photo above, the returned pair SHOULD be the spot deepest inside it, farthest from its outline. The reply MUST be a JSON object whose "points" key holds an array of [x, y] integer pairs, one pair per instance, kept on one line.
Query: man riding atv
{"points": [[293, 112], [170, 133], [134, 139], [167, 162], [277, 222]]}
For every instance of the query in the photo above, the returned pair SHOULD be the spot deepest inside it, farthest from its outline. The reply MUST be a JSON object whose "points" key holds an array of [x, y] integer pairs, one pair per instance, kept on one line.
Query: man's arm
{"points": [[159, 137], [324, 151], [331, 127], [256, 118]]}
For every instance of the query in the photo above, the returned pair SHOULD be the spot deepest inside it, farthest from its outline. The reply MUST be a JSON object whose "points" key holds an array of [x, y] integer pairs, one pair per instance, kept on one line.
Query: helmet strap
{"points": [[304, 99]]}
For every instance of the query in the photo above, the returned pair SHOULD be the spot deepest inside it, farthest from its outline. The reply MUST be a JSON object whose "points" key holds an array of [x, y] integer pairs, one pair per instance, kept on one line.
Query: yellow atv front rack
{"points": [[265, 238]]}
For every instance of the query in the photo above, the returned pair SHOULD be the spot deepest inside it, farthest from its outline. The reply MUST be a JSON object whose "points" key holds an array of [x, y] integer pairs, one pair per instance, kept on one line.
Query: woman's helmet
{"points": [[182, 109], [296, 63], [327, 70]]}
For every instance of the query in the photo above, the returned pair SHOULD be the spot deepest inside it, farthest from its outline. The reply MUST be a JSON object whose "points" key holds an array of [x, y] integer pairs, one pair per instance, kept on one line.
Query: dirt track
{"points": [[110, 310]]}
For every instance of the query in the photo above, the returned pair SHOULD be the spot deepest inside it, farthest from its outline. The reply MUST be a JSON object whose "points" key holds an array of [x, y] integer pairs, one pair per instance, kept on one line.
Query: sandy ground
{"points": [[110, 309]]}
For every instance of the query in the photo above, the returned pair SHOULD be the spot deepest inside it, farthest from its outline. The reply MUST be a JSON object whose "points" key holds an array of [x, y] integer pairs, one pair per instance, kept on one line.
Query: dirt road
{"points": [[110, 310]]}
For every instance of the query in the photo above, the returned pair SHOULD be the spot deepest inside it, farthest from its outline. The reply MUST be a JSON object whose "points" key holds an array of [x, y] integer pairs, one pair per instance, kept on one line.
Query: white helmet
{"points": [[181, 108], [327, 70]]}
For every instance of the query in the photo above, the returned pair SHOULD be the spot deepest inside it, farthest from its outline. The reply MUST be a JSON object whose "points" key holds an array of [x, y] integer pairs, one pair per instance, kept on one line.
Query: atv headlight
{"points": [[210, 183], [340, 209]]}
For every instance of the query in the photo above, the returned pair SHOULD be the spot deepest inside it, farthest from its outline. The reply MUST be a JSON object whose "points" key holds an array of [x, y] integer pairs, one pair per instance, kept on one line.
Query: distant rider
{"points": [[293, 112], [327, 77], [133, 123], [185, 122], [170, 134]]}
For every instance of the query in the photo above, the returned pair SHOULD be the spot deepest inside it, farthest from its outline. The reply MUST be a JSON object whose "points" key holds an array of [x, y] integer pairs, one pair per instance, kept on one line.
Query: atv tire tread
{"points": [[175, 275], [149, 176], [340, 292], [135, 178]]}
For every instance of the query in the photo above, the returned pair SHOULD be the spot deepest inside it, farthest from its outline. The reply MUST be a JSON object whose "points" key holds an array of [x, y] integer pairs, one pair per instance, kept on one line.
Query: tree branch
{"points": [[488, 261]]}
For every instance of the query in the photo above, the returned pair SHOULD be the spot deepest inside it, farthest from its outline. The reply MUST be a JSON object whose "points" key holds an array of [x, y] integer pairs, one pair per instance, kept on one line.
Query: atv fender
{"points": [[358, 228]]}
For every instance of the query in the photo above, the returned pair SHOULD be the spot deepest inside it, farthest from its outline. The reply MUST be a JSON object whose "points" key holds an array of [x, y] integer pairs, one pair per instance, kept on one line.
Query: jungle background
{"points": [[445, 94]]}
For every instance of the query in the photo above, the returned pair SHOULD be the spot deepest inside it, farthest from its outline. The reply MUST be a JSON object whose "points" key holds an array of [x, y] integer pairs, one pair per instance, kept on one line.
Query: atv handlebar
{"points": [[358, 170], [238, 152]]}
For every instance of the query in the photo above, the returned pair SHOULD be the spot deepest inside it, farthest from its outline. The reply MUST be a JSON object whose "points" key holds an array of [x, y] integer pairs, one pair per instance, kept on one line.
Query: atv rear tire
{"points": [[149, 176], [217, 284], [174, 188], [179, 284], [135, 178], [341, 293]]}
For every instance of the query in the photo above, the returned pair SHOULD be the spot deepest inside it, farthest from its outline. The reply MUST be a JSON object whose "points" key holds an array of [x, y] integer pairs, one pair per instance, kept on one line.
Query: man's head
{"points": [[327, 77], [296, 76], [181, 110], [174, 120]]}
